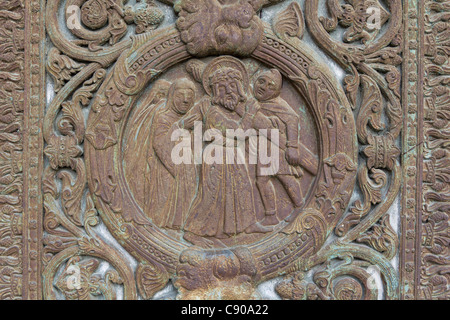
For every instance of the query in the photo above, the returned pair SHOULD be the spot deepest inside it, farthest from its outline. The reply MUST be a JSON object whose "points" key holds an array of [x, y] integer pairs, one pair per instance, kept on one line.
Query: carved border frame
{"points": [[421, 261], [425, 153], [122, 215], [33, 144]]}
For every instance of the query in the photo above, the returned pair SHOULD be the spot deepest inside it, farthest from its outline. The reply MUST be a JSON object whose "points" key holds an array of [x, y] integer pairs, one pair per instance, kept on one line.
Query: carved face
{"points": [[183, 99], [193, 270], [209, 275], [266, 87], [227, 90]]}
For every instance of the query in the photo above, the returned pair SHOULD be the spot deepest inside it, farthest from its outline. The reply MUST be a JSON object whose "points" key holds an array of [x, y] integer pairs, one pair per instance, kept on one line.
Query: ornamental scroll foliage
{"points": [[373, 88], [12, 85], [78, 68], [372, 58], [436, 238]]}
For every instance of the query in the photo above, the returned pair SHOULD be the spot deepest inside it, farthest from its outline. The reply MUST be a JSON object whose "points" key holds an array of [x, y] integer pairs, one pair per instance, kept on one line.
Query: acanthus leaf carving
{"points": [[151, 278], [78, 281], [382, 238], [352, 84], [13, 87], [61, 67], [355, 15], [346, 280], [311, 222], [290, 22], [371, 109]]}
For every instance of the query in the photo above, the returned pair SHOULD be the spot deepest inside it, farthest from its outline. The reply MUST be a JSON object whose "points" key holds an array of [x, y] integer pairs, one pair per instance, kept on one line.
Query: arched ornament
{"points": [[154, 53]]}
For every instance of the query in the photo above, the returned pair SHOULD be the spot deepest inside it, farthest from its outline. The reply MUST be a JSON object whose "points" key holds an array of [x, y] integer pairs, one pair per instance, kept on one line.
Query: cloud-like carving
{"points": [[211, 27]]}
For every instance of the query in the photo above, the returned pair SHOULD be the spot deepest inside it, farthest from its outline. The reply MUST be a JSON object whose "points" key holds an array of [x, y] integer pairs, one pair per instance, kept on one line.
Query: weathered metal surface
{"points": [[97, 194]]}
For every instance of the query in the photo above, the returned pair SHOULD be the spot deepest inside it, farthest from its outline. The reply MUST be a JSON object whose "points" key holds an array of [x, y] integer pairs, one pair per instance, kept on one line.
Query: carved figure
{"points": [[136, 168], [227, 274], [267, 89], [225, 203], [171, 187]]}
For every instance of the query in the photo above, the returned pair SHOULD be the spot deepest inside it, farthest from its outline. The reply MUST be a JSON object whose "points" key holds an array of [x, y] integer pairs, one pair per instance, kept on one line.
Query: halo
{"points": [[224, 62]]}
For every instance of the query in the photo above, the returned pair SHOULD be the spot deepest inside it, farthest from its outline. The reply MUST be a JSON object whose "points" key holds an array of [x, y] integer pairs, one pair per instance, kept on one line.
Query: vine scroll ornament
{"points": [[102, 109]]}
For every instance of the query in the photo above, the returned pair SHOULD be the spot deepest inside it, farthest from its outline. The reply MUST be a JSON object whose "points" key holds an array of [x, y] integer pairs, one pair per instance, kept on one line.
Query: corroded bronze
{"points": [[102, 106]]}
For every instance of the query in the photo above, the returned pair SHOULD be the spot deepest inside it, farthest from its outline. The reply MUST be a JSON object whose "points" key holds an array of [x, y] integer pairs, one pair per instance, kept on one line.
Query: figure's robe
{"points": [[225, 203], [173, 186], [135, 153], [289, 134]]}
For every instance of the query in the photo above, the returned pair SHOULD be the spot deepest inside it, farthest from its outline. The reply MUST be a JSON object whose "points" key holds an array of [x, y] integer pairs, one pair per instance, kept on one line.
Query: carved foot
{"points": [[293, 215], [203, 242], [270, 220], [258, 228], [198, 241]]}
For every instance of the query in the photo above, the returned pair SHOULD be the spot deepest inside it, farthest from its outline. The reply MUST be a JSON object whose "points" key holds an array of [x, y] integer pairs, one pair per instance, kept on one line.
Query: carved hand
{"points": [[252, 107], [293, 156], [188, 122]]}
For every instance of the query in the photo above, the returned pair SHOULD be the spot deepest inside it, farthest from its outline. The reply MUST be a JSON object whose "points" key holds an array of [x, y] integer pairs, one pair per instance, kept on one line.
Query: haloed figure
{"points": [[172, 186], [267, 90], [225, 204]]}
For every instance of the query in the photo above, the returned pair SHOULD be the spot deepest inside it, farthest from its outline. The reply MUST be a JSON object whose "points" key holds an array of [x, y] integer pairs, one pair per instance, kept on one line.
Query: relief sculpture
{"points": [[168, 189], [215, 194], [220, 152], [224, 149]]}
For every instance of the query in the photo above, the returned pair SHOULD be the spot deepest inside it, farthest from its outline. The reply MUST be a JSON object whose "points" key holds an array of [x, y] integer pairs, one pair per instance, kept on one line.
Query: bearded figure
{"points": [[225, 203]]}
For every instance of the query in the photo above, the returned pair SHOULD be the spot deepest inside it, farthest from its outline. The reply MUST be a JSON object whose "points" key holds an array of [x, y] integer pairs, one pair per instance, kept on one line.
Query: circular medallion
{"points": [[155, 134]]}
